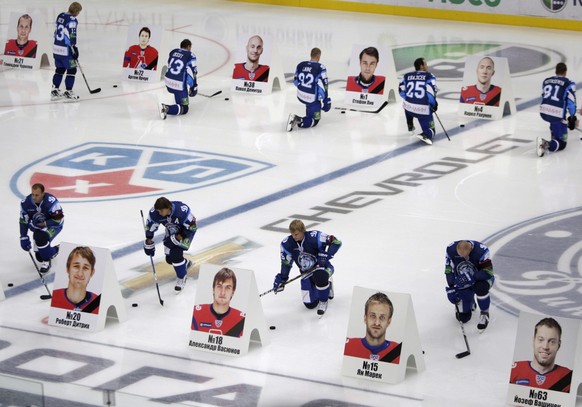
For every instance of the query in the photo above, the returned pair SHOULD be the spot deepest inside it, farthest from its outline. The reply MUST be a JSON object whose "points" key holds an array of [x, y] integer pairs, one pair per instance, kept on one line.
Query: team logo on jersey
{"points": [[538, 265], [554, 6], [447, 61], [106, 171], [540, 379]]}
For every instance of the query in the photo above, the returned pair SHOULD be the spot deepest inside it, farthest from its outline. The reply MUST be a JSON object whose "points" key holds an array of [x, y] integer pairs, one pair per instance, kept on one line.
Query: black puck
{"points": [[114, 86], [134, 304], [272, 327], [10, 285], [343, 112], [225, 98], [462, 125]]}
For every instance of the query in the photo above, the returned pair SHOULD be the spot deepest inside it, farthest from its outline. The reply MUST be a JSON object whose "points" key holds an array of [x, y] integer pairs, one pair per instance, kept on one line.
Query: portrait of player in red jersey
{"points": [[219, 318], [483, 92], [378, 312], [80, 268], [251, 69], [367, 81], [542, 371], [22, 46], [142, 55]]}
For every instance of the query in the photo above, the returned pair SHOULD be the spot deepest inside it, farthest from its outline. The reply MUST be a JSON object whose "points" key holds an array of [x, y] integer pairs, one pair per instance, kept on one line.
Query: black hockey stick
{"points": [[42, 297], [364, 111], [153, 266], [437, 116], [468, 351], [307, 274], [218, 92], [91, 91]]}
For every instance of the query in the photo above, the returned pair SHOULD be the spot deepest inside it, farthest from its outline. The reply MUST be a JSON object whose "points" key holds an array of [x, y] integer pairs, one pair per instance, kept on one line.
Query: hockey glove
{"points": [[452, 295], [279, 284], [39, 220], [75, 52], [149, 247], [25, 243], [322, 259], [572, 122], [193, 91], [326, 104], [436, 106]]}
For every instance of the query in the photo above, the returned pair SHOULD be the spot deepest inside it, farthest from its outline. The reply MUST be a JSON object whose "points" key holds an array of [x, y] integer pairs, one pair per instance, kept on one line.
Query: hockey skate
{"points": [[70, 96], [163, 111], [56, 94], [424, 139], [293, 121], [45, 267], [542, 146], [180, 284], [322, 308], [483, 321]]}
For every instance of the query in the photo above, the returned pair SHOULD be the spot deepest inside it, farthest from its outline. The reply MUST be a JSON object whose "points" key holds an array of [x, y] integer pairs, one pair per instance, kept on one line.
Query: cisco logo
{"points": [[554, 6]]}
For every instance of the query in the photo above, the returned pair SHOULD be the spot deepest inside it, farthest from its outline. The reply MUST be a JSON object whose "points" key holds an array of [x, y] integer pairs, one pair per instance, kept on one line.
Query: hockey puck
{"points": [[114, 86], [272, 327], [343, 112], [134, 304], [10, 285], [225, 98], [462, 125]]}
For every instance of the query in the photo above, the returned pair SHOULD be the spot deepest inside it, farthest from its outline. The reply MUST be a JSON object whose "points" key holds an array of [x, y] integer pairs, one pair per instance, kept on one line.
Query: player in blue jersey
{"points": [[41, 213], [180, 226], [311, 82], [180, 76], [66, 53], [469, 273], [419, 90], [310, 250], [558, 101]]}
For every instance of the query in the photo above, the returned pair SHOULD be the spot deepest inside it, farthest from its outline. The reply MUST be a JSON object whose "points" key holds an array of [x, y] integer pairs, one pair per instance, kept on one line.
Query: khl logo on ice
{"points": [[106, 171], [538, 265]]}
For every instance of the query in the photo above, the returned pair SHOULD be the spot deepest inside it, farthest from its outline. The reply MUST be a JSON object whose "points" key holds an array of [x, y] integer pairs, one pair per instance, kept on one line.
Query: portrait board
{"points": [[219, 315], [361, 358], [22, 45], [485, 87], [252, 69], [366, 84], [141, 56], [76, 296], [536, 352]]}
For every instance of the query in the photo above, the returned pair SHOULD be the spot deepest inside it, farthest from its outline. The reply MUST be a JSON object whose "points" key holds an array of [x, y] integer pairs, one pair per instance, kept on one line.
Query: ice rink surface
{"points": [[486, 183]]}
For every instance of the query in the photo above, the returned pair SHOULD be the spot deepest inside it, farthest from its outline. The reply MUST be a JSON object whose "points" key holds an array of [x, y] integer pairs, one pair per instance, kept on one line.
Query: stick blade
{"points": [[95, 91], [46, 297], [462, 354]]}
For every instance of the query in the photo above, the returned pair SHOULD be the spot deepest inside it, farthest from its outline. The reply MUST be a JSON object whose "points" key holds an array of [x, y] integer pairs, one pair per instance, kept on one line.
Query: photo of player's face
{"points": [[80, 272], [377, 320], [545, 346], [165, 211], [223, 292], [37, 195], [24, 28], [254, 49], [144, 38], [485, 71], [368, 64]]}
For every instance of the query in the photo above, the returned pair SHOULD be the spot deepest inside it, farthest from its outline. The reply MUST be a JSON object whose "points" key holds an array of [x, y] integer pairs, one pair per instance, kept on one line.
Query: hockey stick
{"points": [[91, 91], [364, 111], [468, 351], [218, 92], [307, 274], [438, 118], [153, 266], [42, 297]]}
